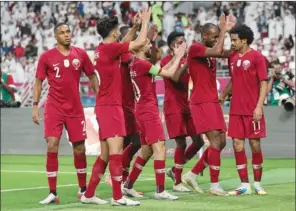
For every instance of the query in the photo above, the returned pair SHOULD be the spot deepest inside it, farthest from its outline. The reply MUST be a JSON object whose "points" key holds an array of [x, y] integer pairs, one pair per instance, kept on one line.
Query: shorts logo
{"points": [[246, 64], [76, 63], [66, 63], [256, 127]]}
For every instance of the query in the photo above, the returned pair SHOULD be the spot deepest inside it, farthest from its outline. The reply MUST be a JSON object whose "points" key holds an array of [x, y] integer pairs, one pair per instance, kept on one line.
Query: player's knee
{"points": [[255, 145], [181, 142], [158, 147], [146, 152], [52, 144], [79, 148], [198, 140], [238, 145], [136, 143]]}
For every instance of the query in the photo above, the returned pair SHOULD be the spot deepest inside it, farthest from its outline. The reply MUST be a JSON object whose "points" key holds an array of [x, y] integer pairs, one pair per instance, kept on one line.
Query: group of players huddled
{"points": [[123, 78]]}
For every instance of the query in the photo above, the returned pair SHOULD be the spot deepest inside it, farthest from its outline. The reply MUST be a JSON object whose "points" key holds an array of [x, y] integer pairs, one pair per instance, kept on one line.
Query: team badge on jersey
{"points": [[66, 63], [246, 64], [76, 63], [238, 63]]}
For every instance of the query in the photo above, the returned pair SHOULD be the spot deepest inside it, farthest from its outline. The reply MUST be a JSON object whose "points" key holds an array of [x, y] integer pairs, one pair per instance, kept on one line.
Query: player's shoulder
{"points": [[196, 45], [78, 50], [256, 54]]}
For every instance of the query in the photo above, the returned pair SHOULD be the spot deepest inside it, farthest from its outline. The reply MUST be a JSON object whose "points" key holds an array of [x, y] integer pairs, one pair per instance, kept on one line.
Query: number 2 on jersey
{"points": [[83, 126], [57, 69]]}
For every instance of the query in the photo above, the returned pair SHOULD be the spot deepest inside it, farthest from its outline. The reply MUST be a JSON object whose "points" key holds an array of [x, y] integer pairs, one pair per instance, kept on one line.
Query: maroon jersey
{"points": [[203, 73], [176, 93], [108, 66], [246, 74], [128, 97], [145, 90], [63, 74]]}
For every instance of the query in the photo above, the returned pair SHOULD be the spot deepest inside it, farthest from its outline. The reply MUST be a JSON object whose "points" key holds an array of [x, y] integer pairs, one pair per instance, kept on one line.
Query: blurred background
{"points": [[27, 31]]}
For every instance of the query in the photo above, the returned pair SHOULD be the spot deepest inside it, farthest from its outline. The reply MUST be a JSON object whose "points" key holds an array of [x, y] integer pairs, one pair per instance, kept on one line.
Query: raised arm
{"points": [[217, 50], [132, 32], [141, 39], [170, 69]]}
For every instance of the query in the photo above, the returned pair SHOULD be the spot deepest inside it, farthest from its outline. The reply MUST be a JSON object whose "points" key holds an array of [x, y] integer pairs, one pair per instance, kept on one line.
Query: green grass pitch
{"points": [[24, 184]]}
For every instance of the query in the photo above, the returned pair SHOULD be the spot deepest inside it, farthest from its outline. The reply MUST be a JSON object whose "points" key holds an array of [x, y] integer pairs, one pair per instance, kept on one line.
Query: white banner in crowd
{"points": [[92, 143]]}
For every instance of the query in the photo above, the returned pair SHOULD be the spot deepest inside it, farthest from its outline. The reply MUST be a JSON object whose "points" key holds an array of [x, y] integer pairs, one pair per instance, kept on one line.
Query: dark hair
{"points": [[172, 37], [243, 32], [123, 31], [208, 26], [58, 25], [106, 25]]}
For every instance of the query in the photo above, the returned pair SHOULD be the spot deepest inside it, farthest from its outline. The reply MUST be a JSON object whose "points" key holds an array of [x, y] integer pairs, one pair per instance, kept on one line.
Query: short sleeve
{"points": [[88, 67], [41, 68], [118, 49], [10, 81], [261, 68], [196, 50], [230, 61], [125, 58]]}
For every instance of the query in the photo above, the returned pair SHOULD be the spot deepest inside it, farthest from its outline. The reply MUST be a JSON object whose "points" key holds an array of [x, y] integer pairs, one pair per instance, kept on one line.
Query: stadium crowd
{"points": [[26, 30]]}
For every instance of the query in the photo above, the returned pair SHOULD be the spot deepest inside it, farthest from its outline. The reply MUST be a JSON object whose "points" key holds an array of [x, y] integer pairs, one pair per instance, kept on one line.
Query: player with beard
{"points": [[147, 114], [177, 116], [248, 85], [62, 66], [109, 109], [204, 102]]}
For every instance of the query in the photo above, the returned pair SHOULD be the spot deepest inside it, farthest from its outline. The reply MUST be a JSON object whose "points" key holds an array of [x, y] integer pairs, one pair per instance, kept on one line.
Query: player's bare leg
{"points": [[217, 143], [242, 168], [115, 167], [191, 180], [257, 163], [159, 151], [210, 157], [190, 152], [145, 154], [175, 173], [98, 170], [129, 152], [131, 146], [80, 164], [52, 169]]}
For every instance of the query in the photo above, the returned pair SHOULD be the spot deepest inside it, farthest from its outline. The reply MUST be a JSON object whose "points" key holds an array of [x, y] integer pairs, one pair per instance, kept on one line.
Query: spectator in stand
{"points": [[19, 51], [7, 88], [281, 84]]}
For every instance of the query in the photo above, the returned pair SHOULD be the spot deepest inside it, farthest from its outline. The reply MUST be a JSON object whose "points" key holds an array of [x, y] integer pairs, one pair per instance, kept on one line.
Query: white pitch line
{"points": [[59, 172], [33, 171], [68, 185]]}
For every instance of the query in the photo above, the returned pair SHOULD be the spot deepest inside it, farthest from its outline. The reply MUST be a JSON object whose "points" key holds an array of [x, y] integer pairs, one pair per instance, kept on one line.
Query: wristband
{"points": [[35, 103]]}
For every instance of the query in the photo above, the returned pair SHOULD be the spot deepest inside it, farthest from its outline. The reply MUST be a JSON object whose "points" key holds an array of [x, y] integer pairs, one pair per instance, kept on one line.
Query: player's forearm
{"points": [[131, 34], [94, 83], [262, 94], [141, 39], [169, 70], [179, 73], [37, 90], [290, 83], [227, 89], [218, 47], [8, 88], [153, 58]]}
